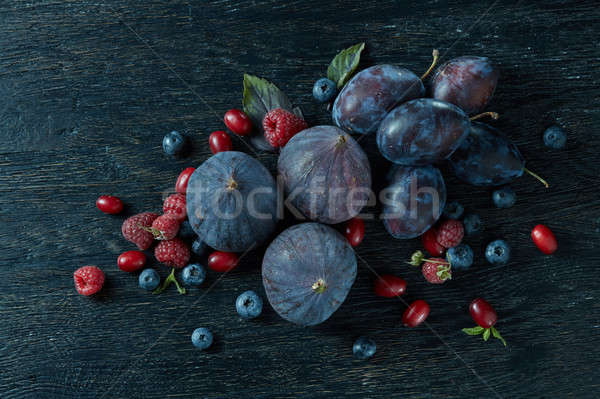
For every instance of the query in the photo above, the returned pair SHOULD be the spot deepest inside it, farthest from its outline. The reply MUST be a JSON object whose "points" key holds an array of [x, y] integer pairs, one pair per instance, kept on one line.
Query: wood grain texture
{"points": [[88, 89]]}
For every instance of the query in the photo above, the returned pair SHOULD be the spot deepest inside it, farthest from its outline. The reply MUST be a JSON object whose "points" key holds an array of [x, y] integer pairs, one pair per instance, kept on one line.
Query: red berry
{"points": [[354, 231], [222, 261], [88, 280], [134, 229], [172, 253], [436, 273], [175, 206], [389, 286], [109, 204], [131, 261], [430, 243], [165, 227], [450, 233], [238, 122], [483, 313], [281, 125], [182, 180], [416, 313], [543, 237], [219, 141]]}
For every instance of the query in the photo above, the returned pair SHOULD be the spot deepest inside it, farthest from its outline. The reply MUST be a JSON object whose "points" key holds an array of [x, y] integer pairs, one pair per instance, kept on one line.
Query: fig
{"points": [[232, 202], [413, 201], [326, 174], [307, 273]]}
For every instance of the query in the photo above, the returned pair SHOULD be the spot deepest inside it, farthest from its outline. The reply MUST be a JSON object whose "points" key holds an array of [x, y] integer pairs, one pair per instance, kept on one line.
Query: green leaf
{"points": [[261, 96], [170, 279], [473, 331], [344, 64], [496, 334], [486, 334]]}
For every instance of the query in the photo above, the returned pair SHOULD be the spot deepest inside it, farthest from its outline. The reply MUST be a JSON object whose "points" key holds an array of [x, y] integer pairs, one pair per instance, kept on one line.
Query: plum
{"points": [[467, 82], [371, 94], [422, 132], [488, 158], [232, 202], [307, 273], [326, 174], [414, 200]]}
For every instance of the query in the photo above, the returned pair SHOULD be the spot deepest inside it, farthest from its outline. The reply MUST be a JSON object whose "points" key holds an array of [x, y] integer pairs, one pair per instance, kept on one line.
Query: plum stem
{"points": [[544, 182], [436, 55], [319, 286], [493, 115], [341, 140]]}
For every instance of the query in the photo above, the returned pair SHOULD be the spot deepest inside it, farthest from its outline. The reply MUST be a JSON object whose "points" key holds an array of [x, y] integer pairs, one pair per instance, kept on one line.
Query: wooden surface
{"points": [[89, 88]]}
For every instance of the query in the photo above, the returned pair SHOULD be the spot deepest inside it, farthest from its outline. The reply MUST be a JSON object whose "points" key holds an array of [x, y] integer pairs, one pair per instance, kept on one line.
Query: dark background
{"points": [[89, 88]]}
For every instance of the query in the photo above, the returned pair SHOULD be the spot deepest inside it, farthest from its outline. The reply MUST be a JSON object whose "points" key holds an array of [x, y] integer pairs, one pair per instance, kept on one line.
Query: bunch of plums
{"points": [[416, 133]]}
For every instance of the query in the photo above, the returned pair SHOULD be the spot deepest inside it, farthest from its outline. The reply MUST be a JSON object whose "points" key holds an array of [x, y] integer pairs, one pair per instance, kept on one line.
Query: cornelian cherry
{"points": [[430, 243], [238, 122], [182, 180], [109, 204], [544, 239], [219, 141], [416, 313], [131, 261], [354, 230], [389, 286], [483, 313], [222, 261]]}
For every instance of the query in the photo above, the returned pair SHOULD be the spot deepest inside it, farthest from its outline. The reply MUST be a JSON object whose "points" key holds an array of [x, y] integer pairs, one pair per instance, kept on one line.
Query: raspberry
{"points": [[174, 205], [172, 253], [164, 227], [436, 273], [280, 125], [450, 233], [134, 229], [88, 280]]}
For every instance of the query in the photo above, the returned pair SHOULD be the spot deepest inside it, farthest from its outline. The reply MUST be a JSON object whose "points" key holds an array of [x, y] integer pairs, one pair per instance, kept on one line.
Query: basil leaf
{"points": [[344, 64], [260, 96]]}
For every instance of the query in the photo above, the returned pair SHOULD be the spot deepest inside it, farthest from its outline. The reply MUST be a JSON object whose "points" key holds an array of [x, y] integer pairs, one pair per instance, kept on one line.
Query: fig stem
{"points": [[231, 184], [436, 55], [544, 182], [319, 286], [493, 115]]}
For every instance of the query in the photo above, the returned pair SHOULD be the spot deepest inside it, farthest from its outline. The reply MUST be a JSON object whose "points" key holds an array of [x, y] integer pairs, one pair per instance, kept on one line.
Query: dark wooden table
{"points": [[89, 88]]}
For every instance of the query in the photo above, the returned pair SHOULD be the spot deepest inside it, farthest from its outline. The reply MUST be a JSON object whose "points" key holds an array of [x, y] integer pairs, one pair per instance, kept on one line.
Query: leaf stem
{"points": [[493, 115], [544, 182], [436, 55], [170, 279]]}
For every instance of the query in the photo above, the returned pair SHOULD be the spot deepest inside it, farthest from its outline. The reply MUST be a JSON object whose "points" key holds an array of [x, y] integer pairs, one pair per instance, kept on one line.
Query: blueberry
{"points": [[460, 257], [249, 305], [185, 230], [472, 223], [555, 137], [497, 252], [149, 279], [504, 197], [364, 348], [453, 210], [202, 338], [324, 90], [199, 247], [193, 274], [173, 143]]}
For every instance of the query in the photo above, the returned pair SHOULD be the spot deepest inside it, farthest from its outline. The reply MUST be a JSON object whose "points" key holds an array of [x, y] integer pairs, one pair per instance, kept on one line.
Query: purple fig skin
{"points": [[307, 273], [468, 82], [371, 94], [231, 202], [422, 132], [415, 200], [326, 174]]}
